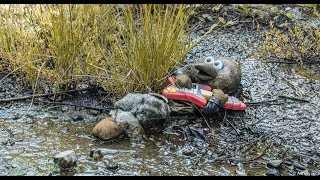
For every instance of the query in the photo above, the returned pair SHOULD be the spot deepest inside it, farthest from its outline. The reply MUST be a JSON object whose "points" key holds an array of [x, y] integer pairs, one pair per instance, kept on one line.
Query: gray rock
{"points": [[77, 118], [304, 173], [65, 109], [273, 172], [138, 112], [94, 112], [128, 122], [274, 163], [65, 159], [96, 154], [111, 165], [188, 150]]}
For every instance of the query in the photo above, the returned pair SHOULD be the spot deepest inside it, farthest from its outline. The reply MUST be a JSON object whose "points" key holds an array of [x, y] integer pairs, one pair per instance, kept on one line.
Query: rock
{"points": [[304, 173], [107, 129], [188, 150], [274, 163], [129, 123], [77, 118], [111, 165], [66, 159], [240, 173], [274, 10], [94, 112], [65, 109], [273, 172], [96, 154], [136, 113], [207, 17]]}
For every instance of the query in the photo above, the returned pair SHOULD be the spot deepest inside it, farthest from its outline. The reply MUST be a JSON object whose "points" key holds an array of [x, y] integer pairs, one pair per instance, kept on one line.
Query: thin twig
{"points": [[43, 95], [279, 103], [75, 105], [282, 62], [261, 102], [225, 118], [294, 98]]}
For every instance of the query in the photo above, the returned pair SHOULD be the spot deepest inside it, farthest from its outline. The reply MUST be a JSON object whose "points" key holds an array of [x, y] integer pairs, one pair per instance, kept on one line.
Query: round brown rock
{"points": [[107, 129]]}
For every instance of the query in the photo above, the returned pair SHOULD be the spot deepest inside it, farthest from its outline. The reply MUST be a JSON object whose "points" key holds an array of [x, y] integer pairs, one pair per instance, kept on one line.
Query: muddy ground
{"points": [[278, 137]]}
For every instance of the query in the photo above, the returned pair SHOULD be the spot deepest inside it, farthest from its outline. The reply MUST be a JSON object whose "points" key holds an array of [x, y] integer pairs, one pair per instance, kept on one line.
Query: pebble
{"points": [[77, 118], [65, 159]]}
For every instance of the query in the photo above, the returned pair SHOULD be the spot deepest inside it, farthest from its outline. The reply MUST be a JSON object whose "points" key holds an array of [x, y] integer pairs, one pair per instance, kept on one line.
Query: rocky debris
{"points": [[107, 129], [139, 112], [65, 159]]}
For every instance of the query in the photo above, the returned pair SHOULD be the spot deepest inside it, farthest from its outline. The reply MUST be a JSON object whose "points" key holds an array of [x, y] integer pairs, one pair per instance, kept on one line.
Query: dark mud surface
{"points": [[277, 137]]}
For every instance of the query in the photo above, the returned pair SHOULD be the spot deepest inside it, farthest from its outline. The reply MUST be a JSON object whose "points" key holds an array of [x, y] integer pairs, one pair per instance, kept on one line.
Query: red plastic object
{"points": [[192, 95], [234, 104]]}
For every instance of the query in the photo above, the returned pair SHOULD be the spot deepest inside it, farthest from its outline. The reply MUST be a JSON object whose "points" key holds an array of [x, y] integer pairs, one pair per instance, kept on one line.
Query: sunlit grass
{"points": [[130, 48]]}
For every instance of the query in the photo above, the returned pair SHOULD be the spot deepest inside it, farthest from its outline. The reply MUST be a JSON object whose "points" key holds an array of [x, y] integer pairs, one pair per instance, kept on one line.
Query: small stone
{"points": [[187, 150], [66, 159], [288, 9], [110, 165], [94, 112], [207, 17], [96, 154], [304, 173], [274, 10], [64, 109], [240, 173], [273, 172], [107, 129], [77, 118], [274, 163]]}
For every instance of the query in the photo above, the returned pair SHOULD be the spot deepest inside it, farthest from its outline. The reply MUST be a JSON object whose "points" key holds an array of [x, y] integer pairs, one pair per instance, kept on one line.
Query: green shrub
{"points": [[299, 42]]}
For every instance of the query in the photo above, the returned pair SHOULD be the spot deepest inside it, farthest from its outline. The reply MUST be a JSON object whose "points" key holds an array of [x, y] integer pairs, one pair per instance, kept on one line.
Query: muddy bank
{"points": [[276, 138]]}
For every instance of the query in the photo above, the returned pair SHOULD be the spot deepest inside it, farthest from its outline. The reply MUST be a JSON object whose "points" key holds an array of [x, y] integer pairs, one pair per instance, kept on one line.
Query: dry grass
{"points": [[127, 49]]}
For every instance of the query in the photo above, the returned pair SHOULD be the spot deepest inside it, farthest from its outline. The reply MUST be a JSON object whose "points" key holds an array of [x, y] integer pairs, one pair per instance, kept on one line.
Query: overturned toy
{"points": [[204, 83]]}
